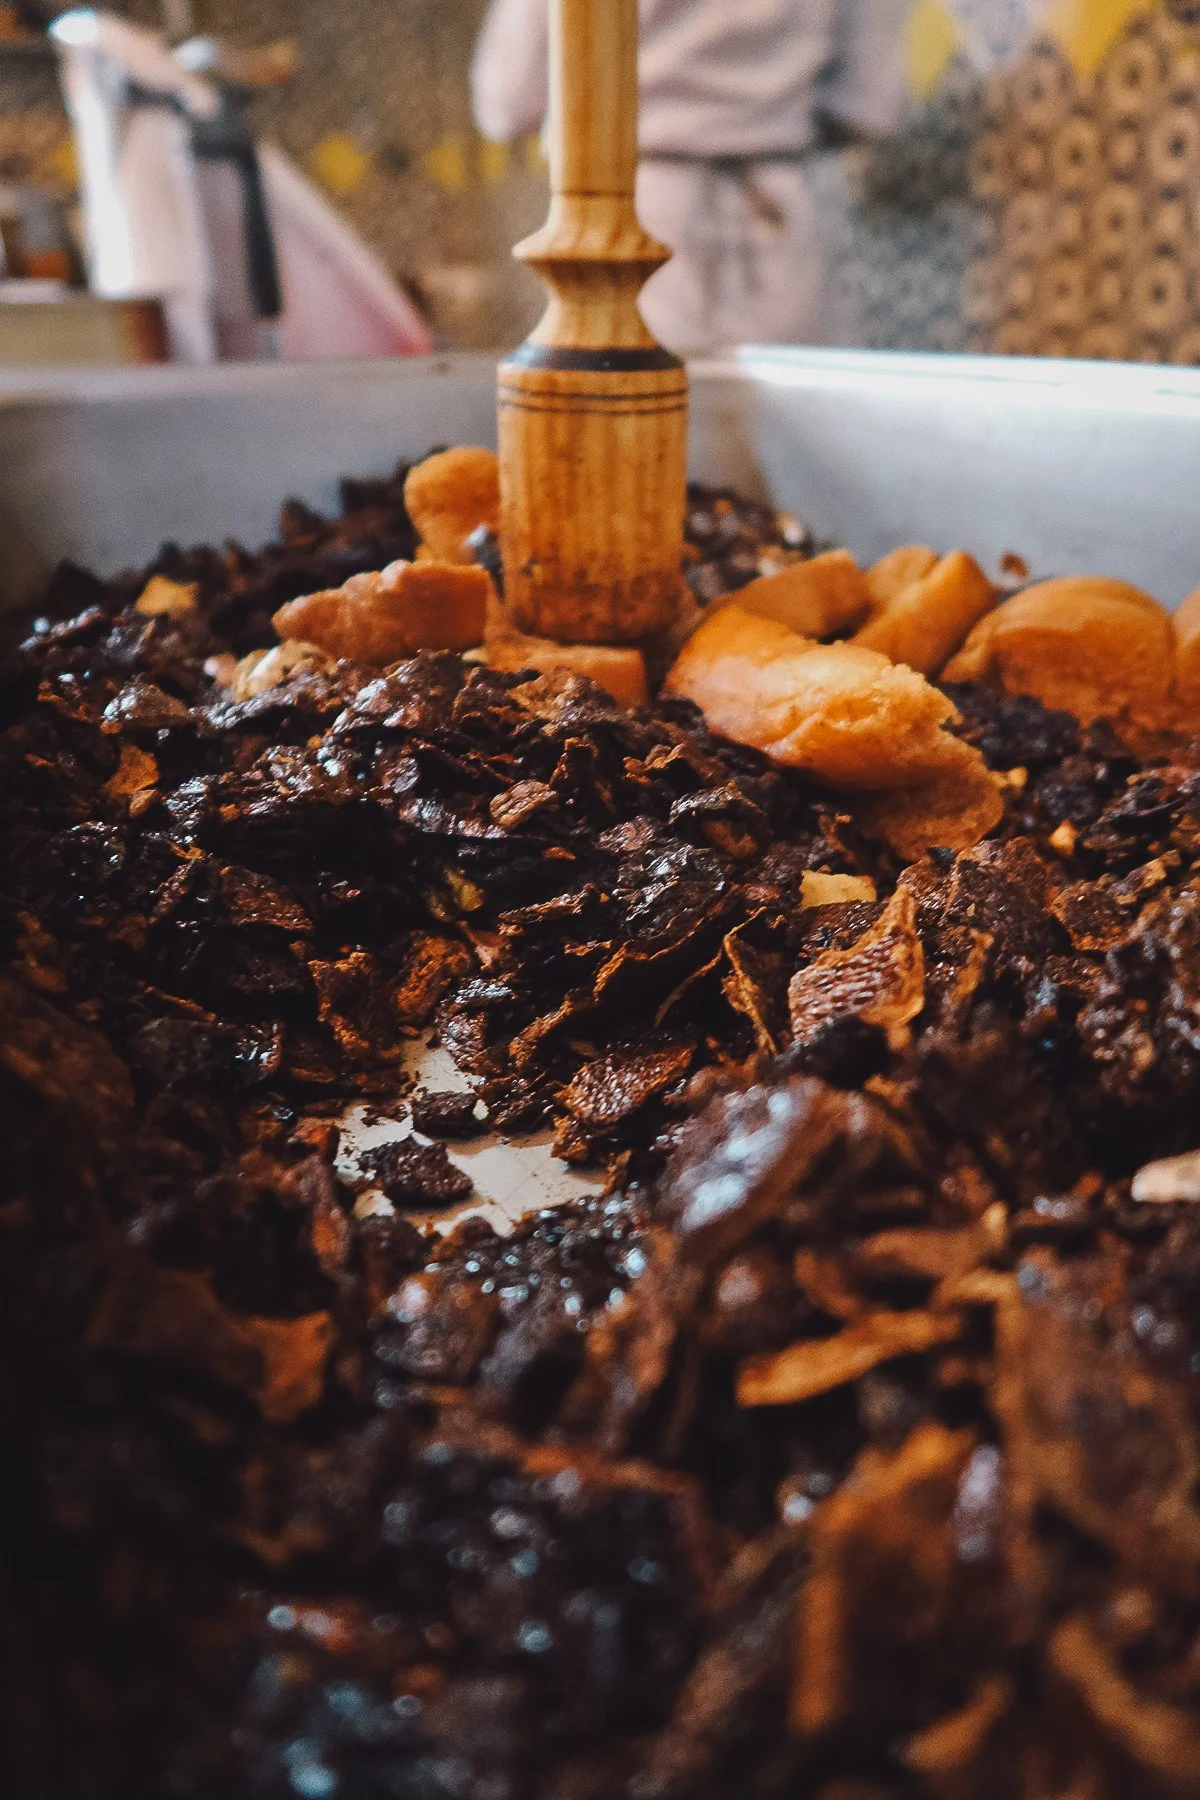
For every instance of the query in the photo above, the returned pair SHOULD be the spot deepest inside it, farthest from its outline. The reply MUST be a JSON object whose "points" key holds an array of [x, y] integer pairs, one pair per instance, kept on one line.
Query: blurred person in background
{"points": [[737, 96]]}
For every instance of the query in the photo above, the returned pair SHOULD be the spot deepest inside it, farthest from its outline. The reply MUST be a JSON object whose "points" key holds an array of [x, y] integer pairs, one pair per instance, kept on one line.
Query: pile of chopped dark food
{"points": [[846, 1446]]}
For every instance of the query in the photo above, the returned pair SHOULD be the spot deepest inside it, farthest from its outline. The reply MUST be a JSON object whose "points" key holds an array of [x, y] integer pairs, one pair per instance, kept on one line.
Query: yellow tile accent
{"points": [[535, 155], [493, 163], [340, 163], [1087, 29], [932, 37], [446, 164]]}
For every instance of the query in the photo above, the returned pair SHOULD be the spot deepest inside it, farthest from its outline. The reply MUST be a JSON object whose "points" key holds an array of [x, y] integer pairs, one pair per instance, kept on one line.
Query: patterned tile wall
{"points": [[900, 221], [1043, 196], [1087, 184], [1077, 229]]}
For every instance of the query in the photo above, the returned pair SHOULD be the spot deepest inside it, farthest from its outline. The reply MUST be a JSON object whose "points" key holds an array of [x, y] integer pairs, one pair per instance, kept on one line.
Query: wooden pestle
{"points": [[593, 412]]}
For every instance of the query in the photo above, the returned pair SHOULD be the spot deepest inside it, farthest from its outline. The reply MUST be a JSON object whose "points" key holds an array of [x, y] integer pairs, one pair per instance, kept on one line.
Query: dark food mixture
{"points": [[848, 1449]]}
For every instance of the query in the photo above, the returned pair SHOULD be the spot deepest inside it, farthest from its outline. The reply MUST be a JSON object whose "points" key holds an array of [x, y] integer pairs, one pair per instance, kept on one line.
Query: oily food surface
{"points": [[847, 1448]]}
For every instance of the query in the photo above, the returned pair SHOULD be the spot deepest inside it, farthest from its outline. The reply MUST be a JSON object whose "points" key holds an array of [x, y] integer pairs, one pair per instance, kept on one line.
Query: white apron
{"points": [[734, 94], [749, 261]]}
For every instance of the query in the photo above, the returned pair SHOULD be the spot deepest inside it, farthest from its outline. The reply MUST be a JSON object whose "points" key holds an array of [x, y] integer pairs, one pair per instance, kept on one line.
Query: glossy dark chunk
{"points": [[447, 1115], [416, 1175]]}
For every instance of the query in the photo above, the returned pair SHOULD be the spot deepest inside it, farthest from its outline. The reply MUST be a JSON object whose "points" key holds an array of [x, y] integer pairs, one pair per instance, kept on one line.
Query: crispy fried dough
{"points": [[262, 670], [1187, 658], [162, 597], [619, 669], [845, 713], [1172, 1179], [380, 618], [818, 599], [449, 495], [1101, 587], [1092, 647], [928, 620], [834, 890], [889, 577], [953, 811]]}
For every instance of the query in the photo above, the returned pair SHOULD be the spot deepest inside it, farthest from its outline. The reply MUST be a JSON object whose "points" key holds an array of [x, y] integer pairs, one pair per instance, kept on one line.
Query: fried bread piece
{"points": [[1098, 587], [952, 811], [843, 712], [1082, 644], [619, 669], [819, 598], [1187, 659], [262, 670], [162, 597], [888, 578], [449, 496], [834, 890], [927, 621], [380, 618]]}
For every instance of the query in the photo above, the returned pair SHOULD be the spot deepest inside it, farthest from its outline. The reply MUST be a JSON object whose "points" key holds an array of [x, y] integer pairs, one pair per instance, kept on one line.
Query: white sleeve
{"points": [[867, 86], [510, 77]]}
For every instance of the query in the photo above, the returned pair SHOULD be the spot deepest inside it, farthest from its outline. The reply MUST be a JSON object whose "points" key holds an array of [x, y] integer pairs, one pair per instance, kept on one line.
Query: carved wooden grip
{"points": [[593, 412]]}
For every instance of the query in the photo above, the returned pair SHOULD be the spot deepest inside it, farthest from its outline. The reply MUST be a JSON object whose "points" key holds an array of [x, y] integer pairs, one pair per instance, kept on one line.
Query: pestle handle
{"points": [[594, 97], [592, 252], [592, 411]]}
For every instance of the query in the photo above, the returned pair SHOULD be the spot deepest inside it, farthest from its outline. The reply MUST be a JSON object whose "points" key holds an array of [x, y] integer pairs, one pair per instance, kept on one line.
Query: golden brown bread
{"points": [[1187, 661], [449, 496], [927, 621], [1098, 587], [880, 979], [819, 598], [817, 889], [163, 597], [1093, 647], [953, 810], [382, 617], [847, 714], [262, 670], [619, 669], [888, 578]]}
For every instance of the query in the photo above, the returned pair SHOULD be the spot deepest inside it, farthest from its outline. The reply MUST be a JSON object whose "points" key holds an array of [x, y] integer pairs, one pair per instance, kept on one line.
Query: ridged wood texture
{"points": [[593, 414]]}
